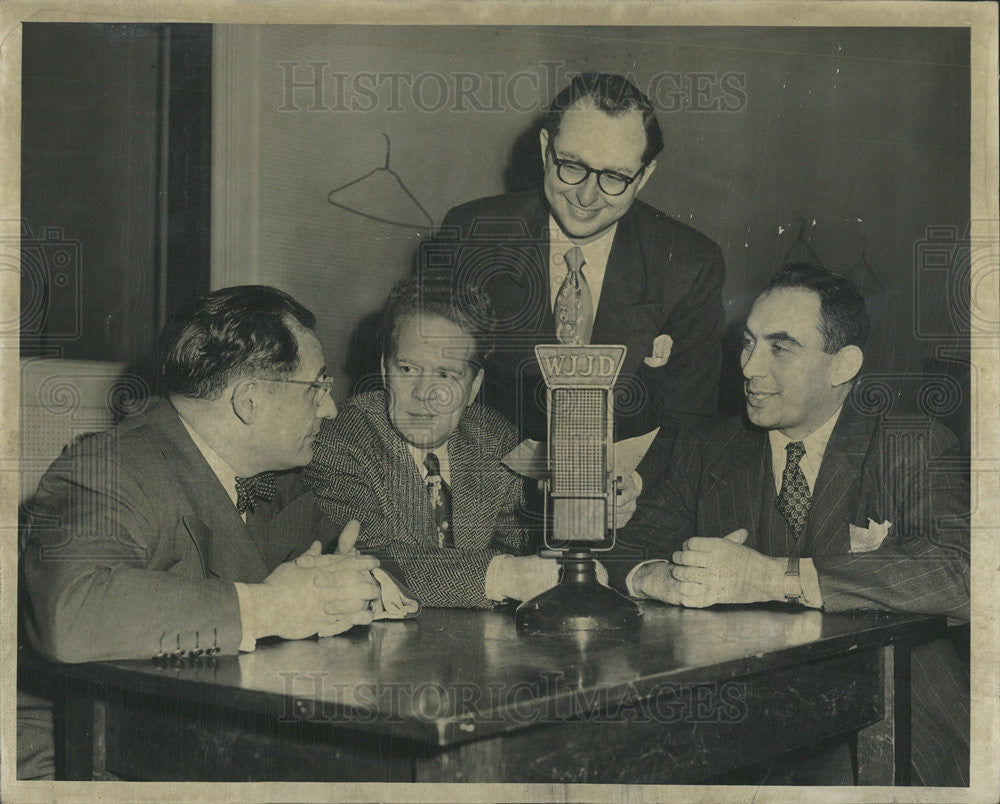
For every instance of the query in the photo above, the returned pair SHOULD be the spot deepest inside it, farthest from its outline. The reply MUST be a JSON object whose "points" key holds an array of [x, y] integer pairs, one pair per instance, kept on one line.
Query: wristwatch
{"points": [[793, 583]]}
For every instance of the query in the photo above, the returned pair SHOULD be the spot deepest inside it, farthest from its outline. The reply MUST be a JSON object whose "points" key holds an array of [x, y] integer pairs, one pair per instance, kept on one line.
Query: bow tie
{"points": [[251, 489]]}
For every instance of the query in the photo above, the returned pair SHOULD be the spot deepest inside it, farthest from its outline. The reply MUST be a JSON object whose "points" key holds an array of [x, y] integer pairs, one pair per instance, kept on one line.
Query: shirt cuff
{"points": [[248, 639], [809, 578], [629, 578]]}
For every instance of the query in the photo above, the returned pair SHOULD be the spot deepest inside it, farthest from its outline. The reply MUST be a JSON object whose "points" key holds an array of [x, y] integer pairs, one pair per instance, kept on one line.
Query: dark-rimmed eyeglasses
{"points": [[611, 182], [323, 386]]}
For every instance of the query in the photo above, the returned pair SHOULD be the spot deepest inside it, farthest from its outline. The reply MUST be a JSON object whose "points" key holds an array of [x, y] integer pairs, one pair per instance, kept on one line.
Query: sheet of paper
{"points": [[529, 457]]}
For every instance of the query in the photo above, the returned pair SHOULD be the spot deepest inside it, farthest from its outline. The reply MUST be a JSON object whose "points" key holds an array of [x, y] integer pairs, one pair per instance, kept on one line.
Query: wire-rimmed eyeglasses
{"points": [[323, 386], [611, 182]]}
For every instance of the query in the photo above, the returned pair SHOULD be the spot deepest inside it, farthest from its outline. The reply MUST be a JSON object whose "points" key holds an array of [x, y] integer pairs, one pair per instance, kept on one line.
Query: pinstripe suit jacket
{"points": [[722, 480], [362, 469]]}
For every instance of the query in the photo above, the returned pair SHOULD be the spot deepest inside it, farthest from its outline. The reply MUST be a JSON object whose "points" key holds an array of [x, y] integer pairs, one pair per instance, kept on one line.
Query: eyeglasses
{"points": [[611, 182], [322, 386]]}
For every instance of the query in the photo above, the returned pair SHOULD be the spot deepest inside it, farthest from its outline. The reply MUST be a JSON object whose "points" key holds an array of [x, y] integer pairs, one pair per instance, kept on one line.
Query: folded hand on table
{"points": [[710, 571], [317, 593]]}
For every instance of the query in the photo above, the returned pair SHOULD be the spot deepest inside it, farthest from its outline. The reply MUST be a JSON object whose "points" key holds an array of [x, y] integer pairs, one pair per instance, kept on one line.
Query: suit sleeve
{"points": [[687, 387], [665, 517], [91, 539], [348, 485], [923, 565]]}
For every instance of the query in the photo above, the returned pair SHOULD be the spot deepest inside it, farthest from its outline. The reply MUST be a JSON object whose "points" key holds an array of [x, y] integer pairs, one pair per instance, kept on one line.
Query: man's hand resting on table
{"points": [[317, 593], [709, 571]]}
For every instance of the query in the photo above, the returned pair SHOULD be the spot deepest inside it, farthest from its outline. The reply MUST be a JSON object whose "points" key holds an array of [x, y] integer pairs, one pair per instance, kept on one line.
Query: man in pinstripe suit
{"points": [[819, 505], [392, 456]]}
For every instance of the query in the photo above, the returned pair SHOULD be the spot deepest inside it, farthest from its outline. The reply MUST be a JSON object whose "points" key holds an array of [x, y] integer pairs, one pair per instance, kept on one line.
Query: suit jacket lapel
{"points": [[836, 498], [737, 473], [218, 530], [404, 481], [466, 465], [624, 282], [519, 286]]}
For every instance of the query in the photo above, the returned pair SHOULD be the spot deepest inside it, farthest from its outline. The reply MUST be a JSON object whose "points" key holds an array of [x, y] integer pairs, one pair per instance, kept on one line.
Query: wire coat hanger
{"points": [[399, 182]]}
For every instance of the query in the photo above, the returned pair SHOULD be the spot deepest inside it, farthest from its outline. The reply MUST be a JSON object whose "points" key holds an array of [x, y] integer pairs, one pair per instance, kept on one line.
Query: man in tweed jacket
{"points": [[886, 526], [369, 463]]}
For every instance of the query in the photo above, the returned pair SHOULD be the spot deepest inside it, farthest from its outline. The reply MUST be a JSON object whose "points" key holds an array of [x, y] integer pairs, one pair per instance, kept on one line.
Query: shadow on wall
{"points": [[363, 354], [522, 172], [524, 168]]}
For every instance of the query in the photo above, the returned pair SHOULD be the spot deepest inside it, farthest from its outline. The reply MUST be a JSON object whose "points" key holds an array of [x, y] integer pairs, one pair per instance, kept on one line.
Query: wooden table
{"points": [[458, 695]]}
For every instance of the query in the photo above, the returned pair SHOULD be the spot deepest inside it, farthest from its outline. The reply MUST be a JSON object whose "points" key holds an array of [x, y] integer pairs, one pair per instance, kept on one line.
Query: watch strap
{"points": [[793, 583]]}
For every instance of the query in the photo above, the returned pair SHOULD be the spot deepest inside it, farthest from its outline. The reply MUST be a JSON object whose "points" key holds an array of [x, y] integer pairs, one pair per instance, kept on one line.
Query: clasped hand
{"points": [[708, 571], [321, 593]]}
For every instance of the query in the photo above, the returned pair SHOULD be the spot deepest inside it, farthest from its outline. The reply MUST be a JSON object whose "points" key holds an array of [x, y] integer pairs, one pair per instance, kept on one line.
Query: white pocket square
{"points": [[662, 344], [864, 540]]}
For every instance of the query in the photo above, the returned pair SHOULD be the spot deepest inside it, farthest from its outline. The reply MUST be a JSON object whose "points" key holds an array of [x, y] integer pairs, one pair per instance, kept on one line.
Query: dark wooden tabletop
{"points": [[452, 675]]}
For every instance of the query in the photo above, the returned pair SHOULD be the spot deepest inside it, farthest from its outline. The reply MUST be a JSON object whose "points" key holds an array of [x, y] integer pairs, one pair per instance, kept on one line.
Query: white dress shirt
{"points": [[441, 453], [595, 257], [815, 446], [227, 477]]}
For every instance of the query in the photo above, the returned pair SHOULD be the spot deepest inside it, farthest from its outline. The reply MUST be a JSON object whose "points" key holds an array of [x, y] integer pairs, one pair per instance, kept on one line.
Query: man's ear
{"points": [[846, 365], [474, 389], [245, 400], [543, 141], [646, 174]]}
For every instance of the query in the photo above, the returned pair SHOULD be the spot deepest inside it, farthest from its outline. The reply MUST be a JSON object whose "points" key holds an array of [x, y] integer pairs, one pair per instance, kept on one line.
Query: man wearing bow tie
{"points": [[816, 502], [177, 532], [582, 261]]}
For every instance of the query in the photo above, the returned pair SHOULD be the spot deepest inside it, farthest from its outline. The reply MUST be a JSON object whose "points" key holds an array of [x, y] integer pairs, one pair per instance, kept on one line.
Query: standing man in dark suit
{"points": [[814, 503], [419, 463], [179, 530], [637, 276]]}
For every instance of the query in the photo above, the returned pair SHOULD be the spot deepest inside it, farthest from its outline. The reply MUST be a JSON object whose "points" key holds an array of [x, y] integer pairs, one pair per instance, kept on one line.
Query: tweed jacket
{"points": [[362, 469]]}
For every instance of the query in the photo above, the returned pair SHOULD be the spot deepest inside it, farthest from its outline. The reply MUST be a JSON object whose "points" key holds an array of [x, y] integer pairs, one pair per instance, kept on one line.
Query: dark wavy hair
{"points": [[231, 333], [467, 306], [613, 94], [845, 316]]}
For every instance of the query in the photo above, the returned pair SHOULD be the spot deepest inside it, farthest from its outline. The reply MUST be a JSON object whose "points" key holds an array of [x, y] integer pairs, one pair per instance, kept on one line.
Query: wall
{"points": [[842, 145]]}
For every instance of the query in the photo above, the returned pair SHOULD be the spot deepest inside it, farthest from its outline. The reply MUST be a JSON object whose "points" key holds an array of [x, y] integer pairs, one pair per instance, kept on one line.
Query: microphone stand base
{"points": [[577, 603]]}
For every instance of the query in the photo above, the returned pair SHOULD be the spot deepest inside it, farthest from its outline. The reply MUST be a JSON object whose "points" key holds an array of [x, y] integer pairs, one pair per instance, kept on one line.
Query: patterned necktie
{"points": [[574, 308], [794, 498], [251, 489], [440, 498]]}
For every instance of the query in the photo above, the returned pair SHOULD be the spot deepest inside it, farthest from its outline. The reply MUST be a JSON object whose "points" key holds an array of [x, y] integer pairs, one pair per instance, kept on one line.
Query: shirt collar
{"points": [[595, 253], [814, 443], [419, 453], [222, 470]]}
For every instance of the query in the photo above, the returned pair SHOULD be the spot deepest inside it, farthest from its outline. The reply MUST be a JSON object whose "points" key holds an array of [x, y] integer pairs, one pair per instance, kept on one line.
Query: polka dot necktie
{"points": [[794, 498], [251, 489], [574, 307], [440, 498]]}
